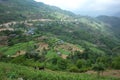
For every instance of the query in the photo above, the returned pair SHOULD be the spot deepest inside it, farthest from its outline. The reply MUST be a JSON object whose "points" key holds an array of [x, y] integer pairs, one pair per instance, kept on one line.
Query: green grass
{"points": [[80, 47], [13, 72], [94, 48], [51, 54], [97, 50], [64, 51], [89, 44], [10, 50]]}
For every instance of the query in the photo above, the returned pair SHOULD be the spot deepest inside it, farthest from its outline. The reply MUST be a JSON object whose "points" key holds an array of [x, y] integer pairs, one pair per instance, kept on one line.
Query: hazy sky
{"points": [[87, 7]]}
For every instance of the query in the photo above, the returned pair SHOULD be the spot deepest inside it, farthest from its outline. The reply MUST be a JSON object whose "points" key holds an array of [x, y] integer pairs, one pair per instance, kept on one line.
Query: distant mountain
{"points": [[117, 14], [113, 22]]}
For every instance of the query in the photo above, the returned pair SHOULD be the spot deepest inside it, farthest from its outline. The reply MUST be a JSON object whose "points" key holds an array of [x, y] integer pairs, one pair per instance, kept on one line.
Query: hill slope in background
{"points": [[113, 22], [12, 10], [66, 25], [117, 14]]}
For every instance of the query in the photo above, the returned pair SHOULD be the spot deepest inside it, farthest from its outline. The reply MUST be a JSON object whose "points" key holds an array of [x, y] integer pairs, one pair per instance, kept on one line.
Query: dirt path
{"points": [[113, 73], [33, 20], [6, 26], [15, 22], [4, 29]]}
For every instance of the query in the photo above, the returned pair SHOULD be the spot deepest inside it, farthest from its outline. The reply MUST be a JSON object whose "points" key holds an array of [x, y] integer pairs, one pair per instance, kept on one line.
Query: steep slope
{"points": [[12, 10], [64, 25], [43, 37], [112, 22]]}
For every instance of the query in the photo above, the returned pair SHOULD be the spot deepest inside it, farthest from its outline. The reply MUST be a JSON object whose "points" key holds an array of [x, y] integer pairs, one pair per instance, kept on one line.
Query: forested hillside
{"points": [[54, 44], [12, 10], [112, 22]]}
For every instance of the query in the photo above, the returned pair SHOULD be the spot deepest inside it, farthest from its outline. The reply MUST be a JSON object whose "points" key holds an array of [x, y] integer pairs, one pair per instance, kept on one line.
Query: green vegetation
{"points": [[116, 63], [51, 54], [99, 67], [47, 43], [34, 11], [64, 51], [13, 72], [15, 48]]}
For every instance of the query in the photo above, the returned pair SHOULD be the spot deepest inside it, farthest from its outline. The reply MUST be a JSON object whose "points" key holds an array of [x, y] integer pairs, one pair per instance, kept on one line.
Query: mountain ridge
{"points": [[30, 10]]}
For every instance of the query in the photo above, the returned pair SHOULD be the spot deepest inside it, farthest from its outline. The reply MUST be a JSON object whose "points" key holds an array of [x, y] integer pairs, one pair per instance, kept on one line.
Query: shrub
{"points": [[18, 60], [73, 69], [62, 64], [99, 67], [81, 63], [116, 63], [84, 69]]}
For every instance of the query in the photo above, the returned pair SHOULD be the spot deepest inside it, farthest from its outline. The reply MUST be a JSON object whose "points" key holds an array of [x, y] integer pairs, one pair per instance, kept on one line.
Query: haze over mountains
{"points": [[87, 7]]}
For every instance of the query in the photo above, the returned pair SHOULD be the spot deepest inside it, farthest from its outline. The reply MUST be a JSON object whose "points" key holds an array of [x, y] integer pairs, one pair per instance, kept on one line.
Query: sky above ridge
{"points": [[87, 7]]}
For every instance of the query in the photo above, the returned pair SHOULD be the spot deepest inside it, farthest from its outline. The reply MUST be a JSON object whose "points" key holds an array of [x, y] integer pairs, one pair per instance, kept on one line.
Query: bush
{"points": [[18, 60], [116, 63], [51, 67], [62, 64], [81, 63], [99, 67], [73, 69], [84, 69]]}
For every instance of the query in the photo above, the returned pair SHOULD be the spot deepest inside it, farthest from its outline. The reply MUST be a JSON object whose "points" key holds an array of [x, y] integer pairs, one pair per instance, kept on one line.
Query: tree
{"points": [[54, 60], [32, 54], [116, 62], [85, 54], [81, 63], [75, 56], [62, 64], [99, 67], [106, 60], [73, 69]]}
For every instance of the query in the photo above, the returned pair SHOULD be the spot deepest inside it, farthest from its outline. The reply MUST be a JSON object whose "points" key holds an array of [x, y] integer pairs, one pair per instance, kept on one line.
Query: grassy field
{"points": [[13, 72], [17, 47]]}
